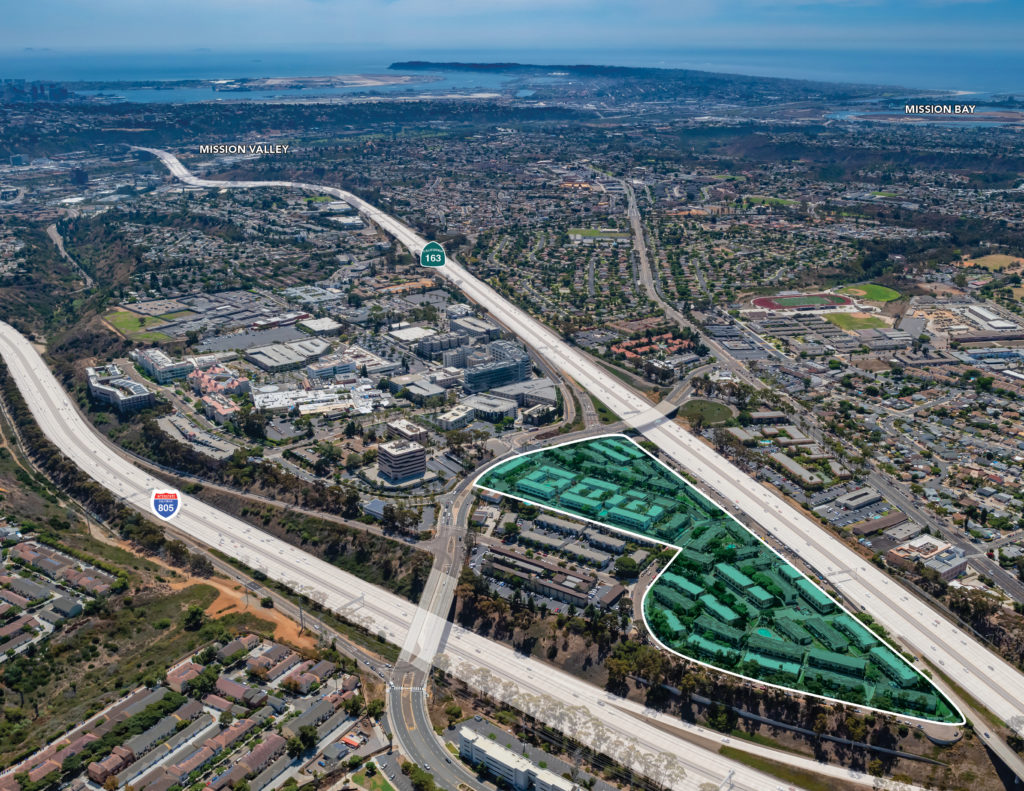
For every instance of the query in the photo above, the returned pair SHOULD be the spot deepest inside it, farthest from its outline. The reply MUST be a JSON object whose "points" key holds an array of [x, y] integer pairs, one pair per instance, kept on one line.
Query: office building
{"points": [[108, 385], [491, 408], [433, 346], [219, 408], [509, 364], [406, 429], [459, 416], [510, 767], [401, 460], [279, 357], [477, 329], [162, 368]]}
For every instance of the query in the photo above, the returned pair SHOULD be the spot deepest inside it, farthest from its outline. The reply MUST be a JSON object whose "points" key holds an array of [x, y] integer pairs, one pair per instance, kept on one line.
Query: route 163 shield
{"points": [[165, 502]]}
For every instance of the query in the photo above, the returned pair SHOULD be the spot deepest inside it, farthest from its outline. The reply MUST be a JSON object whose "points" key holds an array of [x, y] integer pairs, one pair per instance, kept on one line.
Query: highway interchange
{"points": [[986, 677], [564, 701]]}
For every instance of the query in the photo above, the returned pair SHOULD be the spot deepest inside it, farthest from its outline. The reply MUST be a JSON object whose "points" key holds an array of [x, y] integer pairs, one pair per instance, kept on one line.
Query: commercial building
{"points": [[162, 368], [400, 460], [330, 366], [459, 416], [491, 408], [859, 499], [509, 364], [279, 357], [219, 408], [437, 344], [510, 767], [217, 379], [324, 326], [934, 553], [532, 392], [108, 385], [477, 329], [406, 429]]}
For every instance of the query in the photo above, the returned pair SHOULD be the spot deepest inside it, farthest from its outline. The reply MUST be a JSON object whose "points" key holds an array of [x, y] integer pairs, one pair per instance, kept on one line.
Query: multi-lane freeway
{"points": [[496, 670], [985, 676]]}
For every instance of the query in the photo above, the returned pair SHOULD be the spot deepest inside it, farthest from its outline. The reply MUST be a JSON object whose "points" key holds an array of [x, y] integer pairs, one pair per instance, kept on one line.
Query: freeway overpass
{"points": [[557, 697], [985, 676]]}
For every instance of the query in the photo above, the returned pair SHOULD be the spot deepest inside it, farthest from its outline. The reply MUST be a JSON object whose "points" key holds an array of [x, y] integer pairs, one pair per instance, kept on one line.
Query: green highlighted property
{"points": [[726, 599]]}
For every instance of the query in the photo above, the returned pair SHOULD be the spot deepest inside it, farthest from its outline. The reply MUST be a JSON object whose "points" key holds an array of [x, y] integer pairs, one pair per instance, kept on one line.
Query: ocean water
{"points": [[980, 72]]}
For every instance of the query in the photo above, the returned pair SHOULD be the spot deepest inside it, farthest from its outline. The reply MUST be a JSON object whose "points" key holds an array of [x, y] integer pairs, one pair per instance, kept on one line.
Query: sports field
{"points": [[856, 321], [797, 301], [131, 325], [872, 292], [997, 262]]}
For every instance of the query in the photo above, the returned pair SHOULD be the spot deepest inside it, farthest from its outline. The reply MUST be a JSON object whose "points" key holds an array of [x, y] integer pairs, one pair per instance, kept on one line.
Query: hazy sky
{"points": [[175, 25]]}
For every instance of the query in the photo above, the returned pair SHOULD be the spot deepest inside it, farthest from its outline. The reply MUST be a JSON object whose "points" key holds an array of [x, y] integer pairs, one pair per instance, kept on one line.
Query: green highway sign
{"points": [[432, 255]]}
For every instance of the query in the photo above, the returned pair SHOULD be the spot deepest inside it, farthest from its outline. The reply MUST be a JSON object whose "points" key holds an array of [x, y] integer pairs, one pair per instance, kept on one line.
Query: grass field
{"points": [[850, 321], [711, 412], [884, 194], [765, 200], [604, 414], [995, 263], [375, 783], [809, 299], [130, 325], [872, 292], [178, 314]]}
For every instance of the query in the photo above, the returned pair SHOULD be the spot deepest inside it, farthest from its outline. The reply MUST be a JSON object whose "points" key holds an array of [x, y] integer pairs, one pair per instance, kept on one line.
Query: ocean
{"points": [[977, 72]]}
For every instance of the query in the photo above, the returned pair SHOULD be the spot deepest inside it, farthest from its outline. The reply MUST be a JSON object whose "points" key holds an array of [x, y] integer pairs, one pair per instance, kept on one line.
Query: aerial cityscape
{"points": [[555, 396]]}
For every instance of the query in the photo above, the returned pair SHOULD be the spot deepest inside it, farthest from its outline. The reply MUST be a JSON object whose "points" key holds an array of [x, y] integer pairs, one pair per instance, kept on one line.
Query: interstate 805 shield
{"points": [[165, 502]]}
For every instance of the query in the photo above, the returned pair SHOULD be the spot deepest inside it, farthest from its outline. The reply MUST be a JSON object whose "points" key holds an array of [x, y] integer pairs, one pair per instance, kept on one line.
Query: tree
{"points": [[625, 566], [453, 712], [194, 618], [307, 737], [375, 708]]}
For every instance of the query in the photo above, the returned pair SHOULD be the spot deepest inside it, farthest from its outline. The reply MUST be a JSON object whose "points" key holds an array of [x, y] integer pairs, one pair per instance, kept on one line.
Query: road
{"points": [[534, 685], [58, 240], [992, 681]]}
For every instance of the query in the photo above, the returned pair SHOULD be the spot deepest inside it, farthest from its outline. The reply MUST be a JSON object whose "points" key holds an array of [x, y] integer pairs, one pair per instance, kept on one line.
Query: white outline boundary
{"points": [[643, 614]]}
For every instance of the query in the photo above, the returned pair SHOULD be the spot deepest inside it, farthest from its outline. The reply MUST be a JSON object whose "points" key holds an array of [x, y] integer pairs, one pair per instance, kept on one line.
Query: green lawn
{"points": [[604, 414], [124, 321], [376, 783], [711, 411], [131, 324], [766, 200], [872, 292], [178, 314], [884, 194], [848, 321]]}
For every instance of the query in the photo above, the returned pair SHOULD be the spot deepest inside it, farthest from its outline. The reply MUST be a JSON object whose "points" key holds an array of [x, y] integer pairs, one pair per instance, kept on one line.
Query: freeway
{"points": [[988, 678], [538, 687]]}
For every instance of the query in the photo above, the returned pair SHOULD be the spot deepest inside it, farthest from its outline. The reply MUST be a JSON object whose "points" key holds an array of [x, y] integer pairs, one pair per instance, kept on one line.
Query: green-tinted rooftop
{"points": [[726, 599]]}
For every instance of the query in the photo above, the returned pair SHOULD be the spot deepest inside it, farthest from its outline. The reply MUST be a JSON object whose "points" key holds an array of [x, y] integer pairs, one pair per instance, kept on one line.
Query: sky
{"points": [[510, 25]]}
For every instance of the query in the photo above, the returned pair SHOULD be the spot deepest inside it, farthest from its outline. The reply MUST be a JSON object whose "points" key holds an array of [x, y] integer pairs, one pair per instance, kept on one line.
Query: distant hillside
{"points": [[691, 78]]}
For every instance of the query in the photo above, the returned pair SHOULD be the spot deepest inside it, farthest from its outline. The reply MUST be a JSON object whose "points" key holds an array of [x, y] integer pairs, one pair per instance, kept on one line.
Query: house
{"points": [[179, 676], [244, 643], [263, 754]]}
